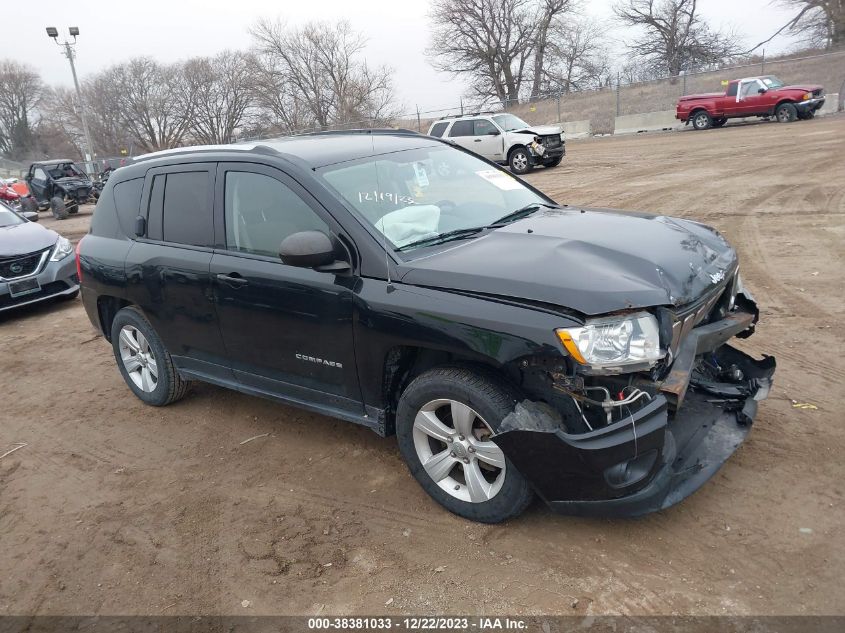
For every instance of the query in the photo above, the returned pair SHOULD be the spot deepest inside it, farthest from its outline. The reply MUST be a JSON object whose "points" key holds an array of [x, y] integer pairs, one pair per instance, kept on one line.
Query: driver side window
{"points": [[261, 211], [749, 89], [39, 174]]}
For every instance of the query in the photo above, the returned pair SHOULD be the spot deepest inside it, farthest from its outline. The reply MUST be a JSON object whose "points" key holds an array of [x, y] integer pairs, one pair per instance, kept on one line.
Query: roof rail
{"points": [[375, 130], [458, 116]]}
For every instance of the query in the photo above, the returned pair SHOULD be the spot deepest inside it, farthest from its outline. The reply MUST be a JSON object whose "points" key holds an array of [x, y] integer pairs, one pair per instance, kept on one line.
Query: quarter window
{"points": [[261, 211]]}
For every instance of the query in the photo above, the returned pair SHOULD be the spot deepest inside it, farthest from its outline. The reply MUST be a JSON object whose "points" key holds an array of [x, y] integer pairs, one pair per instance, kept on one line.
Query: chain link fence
{"points": [[601, 106]]}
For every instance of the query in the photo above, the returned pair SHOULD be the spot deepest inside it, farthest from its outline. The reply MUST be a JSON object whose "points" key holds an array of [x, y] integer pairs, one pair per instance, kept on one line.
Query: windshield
{"points": [[772, 82], [65, 170], [509, 122], [9, 217], [417, 194]]}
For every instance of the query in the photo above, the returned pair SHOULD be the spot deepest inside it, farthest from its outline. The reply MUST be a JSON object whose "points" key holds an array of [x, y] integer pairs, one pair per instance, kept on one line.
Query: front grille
{"points": [[713, 306], [551, 141], [817, 92], [20, 265]]}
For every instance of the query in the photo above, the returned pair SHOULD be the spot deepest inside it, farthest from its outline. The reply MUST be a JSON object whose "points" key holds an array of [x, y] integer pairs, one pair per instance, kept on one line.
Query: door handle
{"points": [[234, 280], [478, 140]]}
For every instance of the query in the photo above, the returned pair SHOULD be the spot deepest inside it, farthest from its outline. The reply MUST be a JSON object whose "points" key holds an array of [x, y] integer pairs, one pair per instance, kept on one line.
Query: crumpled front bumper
{"points": [[809, 105], [659, 455]]}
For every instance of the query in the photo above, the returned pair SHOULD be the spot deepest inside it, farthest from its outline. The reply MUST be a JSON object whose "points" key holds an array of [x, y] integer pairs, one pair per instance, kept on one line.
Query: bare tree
{"points": [[820, 23], [490, 42], [320, 63], [674, 37], [220, 91], [547, 21], [154, 101], [577, 58], [20, 92]]}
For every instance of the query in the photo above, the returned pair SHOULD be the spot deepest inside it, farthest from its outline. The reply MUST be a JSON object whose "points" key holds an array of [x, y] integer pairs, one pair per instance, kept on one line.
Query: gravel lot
{"points": [[117, 508]]}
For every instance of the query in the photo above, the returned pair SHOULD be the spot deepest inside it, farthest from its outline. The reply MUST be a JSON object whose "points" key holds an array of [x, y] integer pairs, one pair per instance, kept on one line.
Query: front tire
{"points": [[73, 209], [701, 120], [719, 122], [443, 424], [553, 163], [29, 205], [519, 161], [809, 114], [143, 361], [57, 206], [786, 113]]}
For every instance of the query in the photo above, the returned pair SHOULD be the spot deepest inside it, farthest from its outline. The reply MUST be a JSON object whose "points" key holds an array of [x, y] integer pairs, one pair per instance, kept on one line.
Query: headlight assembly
{"points": [[614, 342], [62, 250]]}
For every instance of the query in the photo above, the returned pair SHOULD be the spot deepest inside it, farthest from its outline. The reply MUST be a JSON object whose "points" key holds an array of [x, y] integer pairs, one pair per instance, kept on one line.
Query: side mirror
{"points": [[495, 133], [761, 91], [31, 216], [307, 249], [140, 226]]}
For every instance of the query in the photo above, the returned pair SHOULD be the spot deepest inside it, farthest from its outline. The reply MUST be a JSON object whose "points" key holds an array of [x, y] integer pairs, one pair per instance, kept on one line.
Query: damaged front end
{"points": [[628, 443]]}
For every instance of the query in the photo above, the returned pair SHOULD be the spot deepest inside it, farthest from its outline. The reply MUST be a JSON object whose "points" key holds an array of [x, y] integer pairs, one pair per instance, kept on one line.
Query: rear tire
{"points": [[73, 209], [701, 120], [483, 492], [143, 361], [786, 113], [57, 206], [519, 161]]}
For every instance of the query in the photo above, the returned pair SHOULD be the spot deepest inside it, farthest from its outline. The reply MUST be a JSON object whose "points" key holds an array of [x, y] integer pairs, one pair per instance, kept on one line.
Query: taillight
{"points": [[78, 263]]}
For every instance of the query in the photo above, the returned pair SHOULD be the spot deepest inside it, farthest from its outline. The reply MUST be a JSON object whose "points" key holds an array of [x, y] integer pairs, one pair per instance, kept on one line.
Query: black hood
{"points": [[591, 261]]}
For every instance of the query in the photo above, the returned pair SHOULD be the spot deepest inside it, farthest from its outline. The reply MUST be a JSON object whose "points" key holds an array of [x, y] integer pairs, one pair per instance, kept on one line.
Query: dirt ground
{"points": [[117, 508]]}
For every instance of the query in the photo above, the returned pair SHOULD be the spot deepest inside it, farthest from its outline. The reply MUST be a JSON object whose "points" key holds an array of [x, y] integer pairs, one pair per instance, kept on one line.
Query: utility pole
{"points": [[763, 63], [70, 54]]}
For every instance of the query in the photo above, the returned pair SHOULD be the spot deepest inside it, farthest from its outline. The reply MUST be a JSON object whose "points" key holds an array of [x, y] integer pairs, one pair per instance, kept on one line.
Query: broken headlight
{"points": [[614, 342]]}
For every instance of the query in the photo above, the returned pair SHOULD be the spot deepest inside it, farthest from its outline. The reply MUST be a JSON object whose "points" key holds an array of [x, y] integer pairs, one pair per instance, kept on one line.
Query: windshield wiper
{"points": [[523, 212], [441, 238]]}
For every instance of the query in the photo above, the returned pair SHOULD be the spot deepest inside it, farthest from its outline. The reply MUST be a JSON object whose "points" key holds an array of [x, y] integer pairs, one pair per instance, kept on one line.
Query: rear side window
{"points": [[461, 128], [438, 129], [180, 208], [127, 200]]}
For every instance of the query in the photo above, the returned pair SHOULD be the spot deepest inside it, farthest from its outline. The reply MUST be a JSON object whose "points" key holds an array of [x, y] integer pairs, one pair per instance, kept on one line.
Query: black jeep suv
{"points": [[515, 346], [58, 185]]}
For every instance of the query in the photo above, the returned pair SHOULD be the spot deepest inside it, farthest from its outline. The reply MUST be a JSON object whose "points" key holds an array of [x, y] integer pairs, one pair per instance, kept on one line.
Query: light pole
{"points": [[69, 53]]}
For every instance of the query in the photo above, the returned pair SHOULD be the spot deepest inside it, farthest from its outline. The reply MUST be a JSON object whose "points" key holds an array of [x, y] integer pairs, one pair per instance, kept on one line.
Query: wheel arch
{"points": [[403, 363], [781, 102], [107, 308]]}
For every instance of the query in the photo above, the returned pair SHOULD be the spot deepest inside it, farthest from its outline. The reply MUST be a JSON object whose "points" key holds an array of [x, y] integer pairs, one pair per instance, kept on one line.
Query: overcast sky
{"points": [[397, 33]]}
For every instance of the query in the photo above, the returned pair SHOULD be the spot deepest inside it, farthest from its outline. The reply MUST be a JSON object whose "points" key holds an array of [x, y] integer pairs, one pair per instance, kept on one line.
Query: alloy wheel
{"points": [[452, 443], [520, 161], [138, 358]]}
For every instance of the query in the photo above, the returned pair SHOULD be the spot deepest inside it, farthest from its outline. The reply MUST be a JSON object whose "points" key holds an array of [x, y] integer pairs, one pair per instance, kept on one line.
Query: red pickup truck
{"points": [[753, 96]]}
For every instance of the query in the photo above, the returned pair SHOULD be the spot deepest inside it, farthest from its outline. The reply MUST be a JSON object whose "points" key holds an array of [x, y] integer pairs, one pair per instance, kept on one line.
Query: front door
{"points": [[287, 330], [488, 140], [751, 101]]}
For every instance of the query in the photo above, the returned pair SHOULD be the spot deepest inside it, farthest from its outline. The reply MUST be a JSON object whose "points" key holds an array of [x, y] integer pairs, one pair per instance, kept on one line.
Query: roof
{"points": [[316, 150]]}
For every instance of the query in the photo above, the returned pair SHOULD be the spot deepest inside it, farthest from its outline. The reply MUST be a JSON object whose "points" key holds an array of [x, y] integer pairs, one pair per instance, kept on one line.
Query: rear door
{"points": [[168, 268], [463, 133], [287, 330]]}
